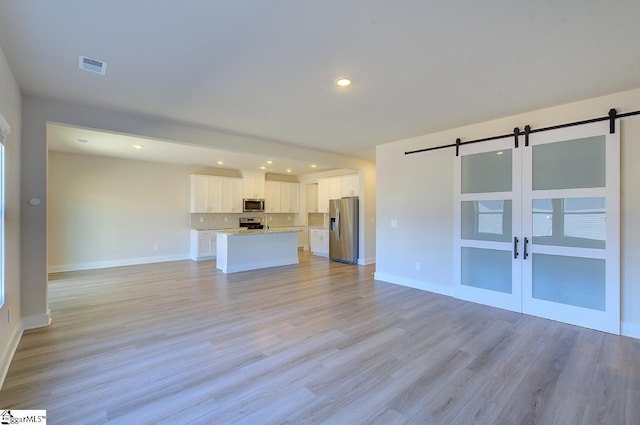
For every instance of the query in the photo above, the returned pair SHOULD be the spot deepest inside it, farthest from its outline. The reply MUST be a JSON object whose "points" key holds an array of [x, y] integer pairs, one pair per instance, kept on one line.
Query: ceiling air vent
{"points": [[92, 65]]}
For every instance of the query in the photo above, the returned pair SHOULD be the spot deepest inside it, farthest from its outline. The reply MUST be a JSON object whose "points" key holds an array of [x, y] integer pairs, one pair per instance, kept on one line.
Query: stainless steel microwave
{"points": [[253, 205]]}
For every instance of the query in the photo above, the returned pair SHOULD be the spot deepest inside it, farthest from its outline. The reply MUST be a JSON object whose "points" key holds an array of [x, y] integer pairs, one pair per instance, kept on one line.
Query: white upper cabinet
{"points": [[350, 185], [253, 184], [206, 194], [198, 194], [282, 197], [231, 195], [323, 195], [335, 187], [213, 194], [272, 196], [289, 197]]}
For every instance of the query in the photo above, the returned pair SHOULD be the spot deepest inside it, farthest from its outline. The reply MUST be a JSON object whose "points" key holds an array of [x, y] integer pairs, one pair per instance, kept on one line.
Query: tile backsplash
{"points": [[230, 221], [281, 220], [214, 221], [318, 220]]}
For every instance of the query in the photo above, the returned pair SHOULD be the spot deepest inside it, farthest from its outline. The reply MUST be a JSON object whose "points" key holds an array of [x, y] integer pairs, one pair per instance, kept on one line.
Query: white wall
{"points": [[417, 191], [416, 194], [106, 211], [10, 109]]}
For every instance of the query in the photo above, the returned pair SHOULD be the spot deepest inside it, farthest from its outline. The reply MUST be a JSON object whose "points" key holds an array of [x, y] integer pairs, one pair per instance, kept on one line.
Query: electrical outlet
{"points": [[201, 219], [155, 246], [226, 219], [418, 266], [394, 223], [288, 218]]}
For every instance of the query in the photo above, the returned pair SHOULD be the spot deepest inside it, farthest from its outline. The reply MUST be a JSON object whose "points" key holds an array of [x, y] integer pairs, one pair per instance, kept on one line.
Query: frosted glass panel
{"points": [[487, 220], [486, 172], [576, 222], [486, 268], [572, 164], [569, 280]]}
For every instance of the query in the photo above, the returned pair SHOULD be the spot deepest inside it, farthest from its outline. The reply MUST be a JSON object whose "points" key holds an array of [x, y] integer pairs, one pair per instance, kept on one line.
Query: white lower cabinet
{"points": [[324, 248], [203, 244], [320, 242]]}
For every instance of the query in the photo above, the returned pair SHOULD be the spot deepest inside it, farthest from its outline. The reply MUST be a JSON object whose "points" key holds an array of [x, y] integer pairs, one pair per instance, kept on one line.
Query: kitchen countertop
{"points": [[270, 230]]}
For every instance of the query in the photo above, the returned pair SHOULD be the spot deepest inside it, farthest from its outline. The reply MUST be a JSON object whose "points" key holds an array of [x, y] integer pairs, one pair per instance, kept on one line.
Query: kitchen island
{"points": [[241, 250]]}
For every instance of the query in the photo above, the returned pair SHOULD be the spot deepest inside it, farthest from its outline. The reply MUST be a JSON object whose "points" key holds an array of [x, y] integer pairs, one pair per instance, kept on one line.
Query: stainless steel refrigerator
{"points": [[343, 230]]}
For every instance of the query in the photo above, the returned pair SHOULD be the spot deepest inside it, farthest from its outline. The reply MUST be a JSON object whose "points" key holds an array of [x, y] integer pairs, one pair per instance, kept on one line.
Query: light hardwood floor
{"points": [[321, 342]]}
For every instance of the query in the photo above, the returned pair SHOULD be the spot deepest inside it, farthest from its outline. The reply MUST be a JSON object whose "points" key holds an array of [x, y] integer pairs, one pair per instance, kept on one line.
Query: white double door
{"points": [[537, 228]]}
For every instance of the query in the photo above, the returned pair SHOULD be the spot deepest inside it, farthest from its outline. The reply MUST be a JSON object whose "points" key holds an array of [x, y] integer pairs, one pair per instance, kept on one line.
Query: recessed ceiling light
{"points": [[313, 165], [288, 170], [82, 141], [269, 161], [138, 146], [343, 82], [220, 162], [263, 168], [500, 153]]}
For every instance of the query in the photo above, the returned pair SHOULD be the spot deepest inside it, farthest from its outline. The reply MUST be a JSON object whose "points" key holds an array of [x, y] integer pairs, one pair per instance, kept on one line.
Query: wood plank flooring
{"points": [[318, 343]]}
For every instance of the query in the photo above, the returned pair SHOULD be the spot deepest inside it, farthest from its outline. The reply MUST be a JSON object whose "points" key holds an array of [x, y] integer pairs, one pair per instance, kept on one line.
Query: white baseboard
{"points": [[631, 330], [38, 321], [7, 353], [211, 257], [413, 283], [117, 263], [366, 261]]}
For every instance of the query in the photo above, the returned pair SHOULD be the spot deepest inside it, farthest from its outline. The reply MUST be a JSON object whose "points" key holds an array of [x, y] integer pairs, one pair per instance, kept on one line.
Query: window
{"points": [[4, 131], [577, 222], [488, 220]]}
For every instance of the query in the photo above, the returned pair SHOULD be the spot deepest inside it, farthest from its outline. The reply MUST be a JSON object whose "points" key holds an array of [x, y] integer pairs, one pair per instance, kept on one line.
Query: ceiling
{"points": [[63, 138], [267, 69]]}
